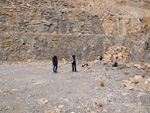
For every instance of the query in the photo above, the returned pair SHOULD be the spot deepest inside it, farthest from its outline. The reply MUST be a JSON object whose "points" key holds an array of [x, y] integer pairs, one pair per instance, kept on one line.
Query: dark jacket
{"points": [[55, 62], [73, 58]]}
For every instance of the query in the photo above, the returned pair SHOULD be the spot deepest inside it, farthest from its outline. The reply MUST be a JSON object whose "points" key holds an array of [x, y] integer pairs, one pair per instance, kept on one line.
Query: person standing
{"points": [[55, 63], [73, 60]]}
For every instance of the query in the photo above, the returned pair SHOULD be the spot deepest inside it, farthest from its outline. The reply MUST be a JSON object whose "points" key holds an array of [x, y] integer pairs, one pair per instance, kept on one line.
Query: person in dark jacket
{"points": [[73, 59], [116, 63], [101, 58], [55, 63]]}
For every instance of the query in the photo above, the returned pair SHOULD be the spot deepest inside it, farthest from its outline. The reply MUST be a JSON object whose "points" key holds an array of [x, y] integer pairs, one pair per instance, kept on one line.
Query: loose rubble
{"points": [[117, 53]]}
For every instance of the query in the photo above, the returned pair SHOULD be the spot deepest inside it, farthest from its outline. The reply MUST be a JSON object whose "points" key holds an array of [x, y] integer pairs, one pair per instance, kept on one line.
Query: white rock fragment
{"points": [[58, 110], [60, 106], [42, 101], [105, 110], [1, 91], [14, 89], [140, 94]]}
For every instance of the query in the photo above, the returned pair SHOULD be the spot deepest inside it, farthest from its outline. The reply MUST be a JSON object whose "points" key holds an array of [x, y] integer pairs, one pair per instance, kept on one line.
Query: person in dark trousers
{"points": [[73, 59], [55, 63]]}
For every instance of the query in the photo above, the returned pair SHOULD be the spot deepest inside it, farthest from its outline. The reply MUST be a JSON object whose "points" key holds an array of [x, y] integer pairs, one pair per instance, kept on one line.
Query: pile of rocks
{"points": [[117, 53]]}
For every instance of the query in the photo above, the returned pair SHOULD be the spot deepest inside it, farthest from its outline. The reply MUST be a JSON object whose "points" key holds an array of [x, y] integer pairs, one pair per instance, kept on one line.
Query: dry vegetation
{"points": [[102, 83], [101, 104]]}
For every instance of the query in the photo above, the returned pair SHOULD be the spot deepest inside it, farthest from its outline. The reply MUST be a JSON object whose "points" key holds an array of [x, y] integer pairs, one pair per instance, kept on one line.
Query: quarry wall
{"points": [[36, 29]]}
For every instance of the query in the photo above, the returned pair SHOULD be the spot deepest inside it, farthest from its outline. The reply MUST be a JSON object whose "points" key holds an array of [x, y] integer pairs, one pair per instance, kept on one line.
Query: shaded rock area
{"points": [[36, 46], [98, 88]]}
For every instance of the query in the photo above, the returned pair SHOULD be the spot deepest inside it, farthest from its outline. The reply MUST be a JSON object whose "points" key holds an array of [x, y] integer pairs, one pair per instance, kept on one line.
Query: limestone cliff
{"points": [[36, 29]]}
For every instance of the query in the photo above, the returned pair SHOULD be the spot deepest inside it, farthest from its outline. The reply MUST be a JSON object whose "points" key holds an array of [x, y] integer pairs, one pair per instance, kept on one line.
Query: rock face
{"points": [[36, 29]]}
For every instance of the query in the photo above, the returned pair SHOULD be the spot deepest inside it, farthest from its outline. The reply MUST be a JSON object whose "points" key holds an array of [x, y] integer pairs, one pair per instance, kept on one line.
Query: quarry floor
{"points": [[34, 88]]}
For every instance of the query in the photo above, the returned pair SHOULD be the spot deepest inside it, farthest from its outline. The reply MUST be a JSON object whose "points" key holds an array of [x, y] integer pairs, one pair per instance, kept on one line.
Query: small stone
{"points": [[42, 101], [131, 88], [140, 94], [146, 82], [38, 83], [104, 63], [126, 73], [109, 100], [106, 69], [78, 107], [124, 85], [138, 77], [114, 68], [136, 82], [1, 63], [143, 67], [48, 111], [28, 5], [18, 62], [148, 79], [14, 90], [29, 60], [105, 110], [139, 103], [93, 112], [148, 69], [119, 111], [96, 61], [124, 94], [58, 110], [60, 106], [66, 100], [1, 91]]}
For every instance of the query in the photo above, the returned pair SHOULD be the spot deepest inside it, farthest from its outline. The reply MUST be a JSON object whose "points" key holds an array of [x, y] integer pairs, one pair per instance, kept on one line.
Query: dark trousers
{"points": [[74, 66], [54, 68]]}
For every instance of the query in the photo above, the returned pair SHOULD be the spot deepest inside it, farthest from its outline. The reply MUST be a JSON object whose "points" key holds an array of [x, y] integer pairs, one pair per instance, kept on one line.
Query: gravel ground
{"points": [[34, 88]]}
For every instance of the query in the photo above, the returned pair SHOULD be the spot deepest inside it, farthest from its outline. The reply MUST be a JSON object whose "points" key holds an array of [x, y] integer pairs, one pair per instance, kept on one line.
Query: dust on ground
{"points": [[98, 88]]}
